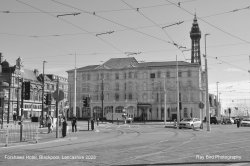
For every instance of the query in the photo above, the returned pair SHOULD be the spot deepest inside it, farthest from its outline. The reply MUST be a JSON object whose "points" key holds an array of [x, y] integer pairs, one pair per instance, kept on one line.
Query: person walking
{"points": [[74, 124], [238, 123], [64, 127], [49, 123], [14, 118]]}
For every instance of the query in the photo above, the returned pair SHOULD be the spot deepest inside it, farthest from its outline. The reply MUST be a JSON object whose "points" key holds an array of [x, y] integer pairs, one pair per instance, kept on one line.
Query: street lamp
{"points": [[207, 97], [43, 92], [217, 100]]}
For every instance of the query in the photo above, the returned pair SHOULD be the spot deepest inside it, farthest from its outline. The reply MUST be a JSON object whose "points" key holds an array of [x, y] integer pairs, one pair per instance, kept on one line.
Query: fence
{"points": [[11, 133]]}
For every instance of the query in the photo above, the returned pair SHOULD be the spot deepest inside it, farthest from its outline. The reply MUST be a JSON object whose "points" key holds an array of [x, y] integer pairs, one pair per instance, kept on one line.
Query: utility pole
{"points": [[43, 94], [207, 96], [177, 95], [217, 100], [102, 100], [21, 120], [74, 104], [57, 112], [165, 101]]}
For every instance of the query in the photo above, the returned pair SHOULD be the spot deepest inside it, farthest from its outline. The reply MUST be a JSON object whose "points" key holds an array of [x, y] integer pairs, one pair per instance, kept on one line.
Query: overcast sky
{"points": [[97, 30]]}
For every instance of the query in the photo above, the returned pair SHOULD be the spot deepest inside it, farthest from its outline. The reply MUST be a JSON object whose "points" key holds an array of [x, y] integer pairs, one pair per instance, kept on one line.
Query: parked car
{"points": [[245, 122], [214, 120], [228, 121], [190, 123], [129, 120]]}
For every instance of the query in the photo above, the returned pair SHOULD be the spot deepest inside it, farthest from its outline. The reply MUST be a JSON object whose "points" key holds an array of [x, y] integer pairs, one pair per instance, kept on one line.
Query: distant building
{"points": [[11, 99], [138, 87]]}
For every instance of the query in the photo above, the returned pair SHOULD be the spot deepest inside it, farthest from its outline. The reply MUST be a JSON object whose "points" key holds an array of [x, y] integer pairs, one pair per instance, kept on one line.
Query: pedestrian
{"points": [[14, 118], [64, 127], [49, 123], [74, 124], [238, 123], [174, 122]]}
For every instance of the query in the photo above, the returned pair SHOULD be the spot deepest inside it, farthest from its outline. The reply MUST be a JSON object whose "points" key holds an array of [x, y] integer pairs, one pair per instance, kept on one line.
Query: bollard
{"points": [[7, 136], [92, 124], [36, 135], [88, 124]]}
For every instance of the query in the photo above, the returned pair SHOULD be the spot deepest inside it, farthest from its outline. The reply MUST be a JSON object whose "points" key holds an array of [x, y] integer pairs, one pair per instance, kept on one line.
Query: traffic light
{"points": [[44, 98], [86, 101], [26, 90], [48, 99]]}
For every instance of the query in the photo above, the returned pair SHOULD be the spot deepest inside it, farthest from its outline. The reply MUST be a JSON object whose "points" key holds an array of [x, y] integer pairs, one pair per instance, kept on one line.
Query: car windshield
{"points": [[186, 120]]}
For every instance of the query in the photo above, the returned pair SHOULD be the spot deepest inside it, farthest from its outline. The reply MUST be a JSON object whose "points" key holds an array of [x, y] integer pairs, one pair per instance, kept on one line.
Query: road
{"points": [[137, 144]]}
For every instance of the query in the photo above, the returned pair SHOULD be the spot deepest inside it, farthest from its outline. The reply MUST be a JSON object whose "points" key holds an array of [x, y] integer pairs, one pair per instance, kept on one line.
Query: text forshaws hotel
{"points": [[49, 157]]}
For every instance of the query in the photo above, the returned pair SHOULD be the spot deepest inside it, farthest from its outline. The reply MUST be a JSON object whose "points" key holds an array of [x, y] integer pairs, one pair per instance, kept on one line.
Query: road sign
{"points": [[201, 105], [60, 96]]}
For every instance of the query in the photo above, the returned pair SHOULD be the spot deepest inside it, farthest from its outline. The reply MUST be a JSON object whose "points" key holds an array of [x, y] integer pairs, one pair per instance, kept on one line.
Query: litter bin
{"points": [[92, 124]]}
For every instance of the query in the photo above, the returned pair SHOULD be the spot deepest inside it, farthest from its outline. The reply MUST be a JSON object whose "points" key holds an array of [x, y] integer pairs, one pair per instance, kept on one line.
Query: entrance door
{"points": [[174, 116]]}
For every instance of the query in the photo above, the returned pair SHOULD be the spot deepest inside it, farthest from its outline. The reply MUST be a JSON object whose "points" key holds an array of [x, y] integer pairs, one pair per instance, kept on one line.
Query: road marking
{"points": [[238, 164]]}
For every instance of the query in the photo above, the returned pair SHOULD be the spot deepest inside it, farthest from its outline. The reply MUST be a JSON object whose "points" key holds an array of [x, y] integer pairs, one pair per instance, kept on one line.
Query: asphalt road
{"points": [[137, 144]]}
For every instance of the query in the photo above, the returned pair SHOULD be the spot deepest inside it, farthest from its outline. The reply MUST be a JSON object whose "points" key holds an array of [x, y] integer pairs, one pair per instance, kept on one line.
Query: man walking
{"points": [[74, 124]]}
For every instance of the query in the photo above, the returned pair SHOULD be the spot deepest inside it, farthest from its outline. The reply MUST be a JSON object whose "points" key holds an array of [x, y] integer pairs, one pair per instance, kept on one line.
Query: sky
{"points": [[68, 33]]}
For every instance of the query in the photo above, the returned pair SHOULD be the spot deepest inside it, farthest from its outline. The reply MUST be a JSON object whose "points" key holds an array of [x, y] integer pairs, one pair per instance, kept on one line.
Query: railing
{"points": [[11, 133]]}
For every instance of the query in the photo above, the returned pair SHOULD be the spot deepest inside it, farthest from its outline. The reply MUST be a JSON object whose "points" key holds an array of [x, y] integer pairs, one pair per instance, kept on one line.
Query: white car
{"points": [[129, 120], [245, 122], [190, 123]]}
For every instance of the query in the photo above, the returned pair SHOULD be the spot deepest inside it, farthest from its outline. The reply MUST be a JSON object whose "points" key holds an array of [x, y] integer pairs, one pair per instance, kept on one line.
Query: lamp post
{"points": [[217, 100], [43, 93], [207, 97]]}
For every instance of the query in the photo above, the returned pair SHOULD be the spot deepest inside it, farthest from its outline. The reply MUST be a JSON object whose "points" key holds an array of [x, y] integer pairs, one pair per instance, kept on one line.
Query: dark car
{"points": [[214, 120]]}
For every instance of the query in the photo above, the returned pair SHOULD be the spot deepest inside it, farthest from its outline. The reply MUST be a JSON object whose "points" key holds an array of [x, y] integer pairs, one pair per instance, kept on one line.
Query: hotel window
{"points": [[102, 76], [130, 96], [179, 74], [117, 76], [117, 97], [83, 76], [107, 76], [152, 75], [89, 77], [168, 74], [159, 74]]}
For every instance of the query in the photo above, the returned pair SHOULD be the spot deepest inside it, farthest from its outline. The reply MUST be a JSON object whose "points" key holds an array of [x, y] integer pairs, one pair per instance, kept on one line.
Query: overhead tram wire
{"points": [[157, 25], [111, 21], [141, 27], [70, 23], [234, 36], [229, 63]]}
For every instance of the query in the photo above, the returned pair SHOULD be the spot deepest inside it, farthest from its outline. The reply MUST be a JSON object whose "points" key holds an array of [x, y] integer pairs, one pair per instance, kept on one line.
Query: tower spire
{"points": [[195, 35]]}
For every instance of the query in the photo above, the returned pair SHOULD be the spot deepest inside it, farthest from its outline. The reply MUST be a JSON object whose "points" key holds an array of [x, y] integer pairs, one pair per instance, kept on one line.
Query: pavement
{"points": [[42, 133]]}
